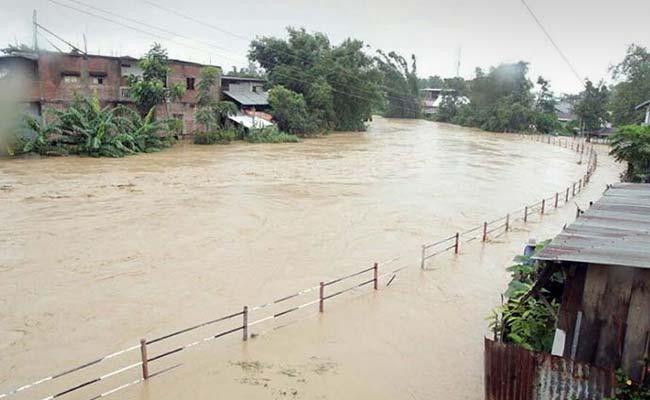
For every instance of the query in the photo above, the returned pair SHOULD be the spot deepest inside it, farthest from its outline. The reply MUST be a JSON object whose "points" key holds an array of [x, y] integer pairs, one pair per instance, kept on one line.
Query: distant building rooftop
{"points": [[242, 79], [246, 98], [614, 231]]}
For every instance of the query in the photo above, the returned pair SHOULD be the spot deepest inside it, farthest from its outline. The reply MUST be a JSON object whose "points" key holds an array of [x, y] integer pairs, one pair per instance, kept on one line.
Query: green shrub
{"points": [[223, 136], [626, 389], [270, 135]]}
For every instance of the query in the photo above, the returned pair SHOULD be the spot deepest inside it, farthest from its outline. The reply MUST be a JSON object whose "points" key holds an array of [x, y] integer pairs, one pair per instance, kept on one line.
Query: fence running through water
{"points": [[240, 322]]}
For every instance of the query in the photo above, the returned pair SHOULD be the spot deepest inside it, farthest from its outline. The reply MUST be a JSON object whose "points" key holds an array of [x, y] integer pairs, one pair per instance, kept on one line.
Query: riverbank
{"points": [[141, 246]]}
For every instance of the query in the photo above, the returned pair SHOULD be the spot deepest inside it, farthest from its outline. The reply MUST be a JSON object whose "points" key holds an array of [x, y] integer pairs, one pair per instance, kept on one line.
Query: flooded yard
{"points": [[97, 253]]}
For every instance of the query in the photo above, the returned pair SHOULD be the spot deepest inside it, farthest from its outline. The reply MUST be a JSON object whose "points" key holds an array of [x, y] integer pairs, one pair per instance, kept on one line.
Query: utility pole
{"points": [[35, 30], [460, 48]]}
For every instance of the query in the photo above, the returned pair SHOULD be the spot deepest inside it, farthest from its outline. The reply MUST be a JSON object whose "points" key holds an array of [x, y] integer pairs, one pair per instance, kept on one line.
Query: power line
{"points": [[550, 38]]}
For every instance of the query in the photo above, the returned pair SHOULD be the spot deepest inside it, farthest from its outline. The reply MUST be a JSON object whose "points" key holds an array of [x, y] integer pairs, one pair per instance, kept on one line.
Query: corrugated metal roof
{"points": [[642, 105], [614, 231], [247, 98]]}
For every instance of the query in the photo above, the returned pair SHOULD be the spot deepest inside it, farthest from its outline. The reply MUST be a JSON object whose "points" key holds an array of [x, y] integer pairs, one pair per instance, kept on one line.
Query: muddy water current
{"points": [[97, 253]]}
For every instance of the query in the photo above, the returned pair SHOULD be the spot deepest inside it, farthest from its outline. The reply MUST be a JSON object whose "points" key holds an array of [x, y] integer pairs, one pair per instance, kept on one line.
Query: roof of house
{"points": [[248, 121], [615, 231], [248, 98], [643, 105], [242, 78]]}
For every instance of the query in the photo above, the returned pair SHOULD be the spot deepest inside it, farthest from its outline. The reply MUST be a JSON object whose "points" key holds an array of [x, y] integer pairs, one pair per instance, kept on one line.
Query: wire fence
{"points": [[241, 322]]}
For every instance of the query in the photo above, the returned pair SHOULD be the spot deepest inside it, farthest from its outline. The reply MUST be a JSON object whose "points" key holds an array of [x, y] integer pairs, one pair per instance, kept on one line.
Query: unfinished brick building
{"points": [[50, 80]]}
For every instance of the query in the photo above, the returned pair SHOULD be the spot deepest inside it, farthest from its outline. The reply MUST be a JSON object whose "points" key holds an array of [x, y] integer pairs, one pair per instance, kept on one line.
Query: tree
{"points": [[339, 84], [592, 107], [631, 144], [633, 74], [434, 82], [401, 85], [211, 113], [150, 89], [545, 119], [289, 110]]}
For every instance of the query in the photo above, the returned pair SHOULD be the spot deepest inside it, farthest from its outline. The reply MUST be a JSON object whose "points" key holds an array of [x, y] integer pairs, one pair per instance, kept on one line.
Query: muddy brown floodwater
{"points": [[97, 253]]}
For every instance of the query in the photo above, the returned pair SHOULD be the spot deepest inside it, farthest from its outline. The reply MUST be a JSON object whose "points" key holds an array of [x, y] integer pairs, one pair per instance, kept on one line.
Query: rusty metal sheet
{"points": [[514, 373], [614, 231]]}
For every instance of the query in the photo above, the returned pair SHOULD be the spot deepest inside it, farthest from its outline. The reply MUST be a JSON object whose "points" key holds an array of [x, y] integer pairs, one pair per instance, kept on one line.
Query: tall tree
{"points": [[633, 87], [150, 89], [592, 107], [401, 85]]}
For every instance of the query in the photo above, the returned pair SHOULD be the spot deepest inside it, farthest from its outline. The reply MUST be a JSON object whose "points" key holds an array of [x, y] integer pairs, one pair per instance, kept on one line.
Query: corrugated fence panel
{"points": [[514, 373]]}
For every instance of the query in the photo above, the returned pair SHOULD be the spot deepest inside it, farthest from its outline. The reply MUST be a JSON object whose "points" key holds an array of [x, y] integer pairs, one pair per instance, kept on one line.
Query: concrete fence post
{"points": [[543, 206], [566, 198], [145, 361], [375, 270], [457, 244], [557, 199], [526, 214], [245, 325], [321, 296], [484, 232], [424, 249], [507, 222]]}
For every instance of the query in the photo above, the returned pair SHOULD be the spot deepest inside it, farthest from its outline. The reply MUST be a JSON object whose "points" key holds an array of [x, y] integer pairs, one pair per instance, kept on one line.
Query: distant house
{"points": [[564, 112], [247, 93], [432, 99], [645, 105]]}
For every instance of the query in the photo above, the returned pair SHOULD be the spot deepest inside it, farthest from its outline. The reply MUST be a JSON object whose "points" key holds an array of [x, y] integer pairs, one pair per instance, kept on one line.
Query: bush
{"points": [[270, 135], [289, 110], [223, 136]]}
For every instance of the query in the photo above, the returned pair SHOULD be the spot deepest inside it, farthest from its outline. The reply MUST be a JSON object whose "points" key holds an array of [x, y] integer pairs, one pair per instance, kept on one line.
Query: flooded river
{"points": [[97, 253]]}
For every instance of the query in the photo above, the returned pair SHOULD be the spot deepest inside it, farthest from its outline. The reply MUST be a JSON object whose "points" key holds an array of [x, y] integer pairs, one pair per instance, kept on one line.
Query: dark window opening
{"points": [[190, 83]]}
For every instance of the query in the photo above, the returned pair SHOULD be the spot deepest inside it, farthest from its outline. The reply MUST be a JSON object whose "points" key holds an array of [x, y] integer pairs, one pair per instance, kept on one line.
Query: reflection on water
{"points": [[98, 252]]}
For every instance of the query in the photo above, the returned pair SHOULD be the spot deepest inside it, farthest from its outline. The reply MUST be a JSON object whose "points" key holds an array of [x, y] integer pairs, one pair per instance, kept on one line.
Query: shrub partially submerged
{"points": [[85, 128], [270, 135], [223, 136]]}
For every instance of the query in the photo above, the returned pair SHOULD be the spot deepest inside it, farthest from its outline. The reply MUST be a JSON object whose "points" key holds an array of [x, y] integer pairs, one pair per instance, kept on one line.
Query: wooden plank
{"points": [[613, 307], [638, 324], [589, 337], [571, 302]]}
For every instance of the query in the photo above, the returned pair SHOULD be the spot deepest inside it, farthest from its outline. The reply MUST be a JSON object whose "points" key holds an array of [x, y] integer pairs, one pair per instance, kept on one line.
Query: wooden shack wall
{"points": [[615, 302]]}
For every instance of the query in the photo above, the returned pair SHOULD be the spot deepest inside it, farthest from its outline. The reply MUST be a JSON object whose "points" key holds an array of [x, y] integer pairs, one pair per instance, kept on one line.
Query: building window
{"points": [[190, 83], [98, 80], [70, 78]]}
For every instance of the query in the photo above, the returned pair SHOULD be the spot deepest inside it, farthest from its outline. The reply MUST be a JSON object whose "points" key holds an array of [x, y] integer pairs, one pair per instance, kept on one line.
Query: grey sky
{"points": [[592, 33]]}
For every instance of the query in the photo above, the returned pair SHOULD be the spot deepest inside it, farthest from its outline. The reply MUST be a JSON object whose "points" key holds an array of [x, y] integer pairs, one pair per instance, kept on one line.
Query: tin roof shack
{"points": [[247, 93], [604, 317]]}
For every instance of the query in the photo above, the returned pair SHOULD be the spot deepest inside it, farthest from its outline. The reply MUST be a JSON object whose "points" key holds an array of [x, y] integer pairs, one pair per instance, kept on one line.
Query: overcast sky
{"points": [[592, 33]]}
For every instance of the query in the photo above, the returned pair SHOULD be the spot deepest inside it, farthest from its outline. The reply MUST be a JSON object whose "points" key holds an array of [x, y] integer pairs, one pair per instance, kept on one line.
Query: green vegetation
{"points": [[150, 89], [211, 113], [592, 106], [527, 318], [626, 389], [85, 128], [633, 87], [222, 136], [270, 135], [339, 84], [631, 144], [290, 111], [401, 85]]}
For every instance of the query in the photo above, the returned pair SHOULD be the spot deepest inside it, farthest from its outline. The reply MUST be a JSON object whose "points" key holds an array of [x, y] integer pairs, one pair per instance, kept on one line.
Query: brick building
{"points": [[50, 80]]}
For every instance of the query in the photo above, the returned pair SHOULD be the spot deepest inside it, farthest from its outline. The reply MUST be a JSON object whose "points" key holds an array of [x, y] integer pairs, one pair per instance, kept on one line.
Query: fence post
{"points": [[424, 249], [507, 222], [573, 191], [245, 326], [320, 297], [566, 198], [526, 214], [484, 231], [557, 198], [580, 185], [457, 243], [376, 275], [543, 205], [143, 356]]}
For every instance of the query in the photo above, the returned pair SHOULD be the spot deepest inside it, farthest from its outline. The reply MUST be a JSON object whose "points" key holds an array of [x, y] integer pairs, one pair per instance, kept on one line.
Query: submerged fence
{"points": [[240, 322]]}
